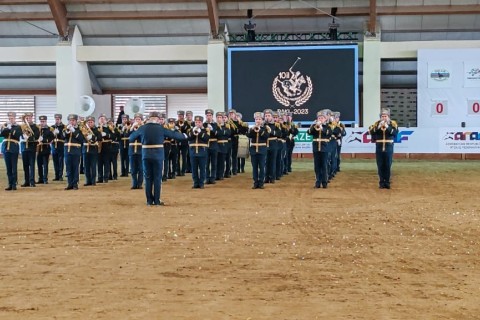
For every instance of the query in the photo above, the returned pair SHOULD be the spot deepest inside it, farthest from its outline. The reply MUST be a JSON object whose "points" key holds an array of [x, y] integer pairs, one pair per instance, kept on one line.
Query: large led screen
{"points": [[300, 79]]}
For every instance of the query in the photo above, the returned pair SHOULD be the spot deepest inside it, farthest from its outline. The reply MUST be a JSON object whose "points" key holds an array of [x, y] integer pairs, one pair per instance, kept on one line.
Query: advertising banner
{"points": [[408, 140]]}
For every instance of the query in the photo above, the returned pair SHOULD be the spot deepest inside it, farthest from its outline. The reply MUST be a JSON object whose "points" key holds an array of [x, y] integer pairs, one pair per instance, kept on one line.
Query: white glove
{"points": [[55, 132], [185, 135], [9, 126], [177, 128], [210, 127], [380, 124], [26, 136], [89, 137], [104, 134], [40, 139]]}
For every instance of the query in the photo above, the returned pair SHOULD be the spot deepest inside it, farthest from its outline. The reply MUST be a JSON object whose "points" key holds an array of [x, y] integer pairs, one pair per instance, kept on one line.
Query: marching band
{"points": [[209, 150]]}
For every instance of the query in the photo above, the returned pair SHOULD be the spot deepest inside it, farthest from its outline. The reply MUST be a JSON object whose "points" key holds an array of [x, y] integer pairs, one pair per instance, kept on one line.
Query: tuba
{"points": [[86, 106], [26, 128], [133, 106]]}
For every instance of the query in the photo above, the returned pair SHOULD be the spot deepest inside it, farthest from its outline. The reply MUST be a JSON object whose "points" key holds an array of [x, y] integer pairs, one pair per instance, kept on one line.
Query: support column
{"points": [[73, 79], [371, 80], [216, 75]]}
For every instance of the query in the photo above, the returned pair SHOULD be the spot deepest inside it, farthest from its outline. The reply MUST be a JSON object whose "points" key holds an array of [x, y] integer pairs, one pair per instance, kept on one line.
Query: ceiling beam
{"points": [[154, 91], [240, 14], [135, 15], [21, 2], [212, 7], [96, 87], [125, 1], [28, 91], [151, 76], [59, 12]]}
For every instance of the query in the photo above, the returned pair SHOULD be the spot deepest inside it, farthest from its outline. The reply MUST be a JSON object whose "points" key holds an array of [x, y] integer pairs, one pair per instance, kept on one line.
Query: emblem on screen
{"points": [[292, 88]]}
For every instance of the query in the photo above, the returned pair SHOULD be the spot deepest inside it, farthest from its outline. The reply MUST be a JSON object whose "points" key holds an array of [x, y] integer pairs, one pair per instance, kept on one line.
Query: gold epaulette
{"points": [[394, 124]]}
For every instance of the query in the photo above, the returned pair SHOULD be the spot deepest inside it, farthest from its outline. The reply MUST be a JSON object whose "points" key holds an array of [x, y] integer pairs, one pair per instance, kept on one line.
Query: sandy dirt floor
{"points": [[290, 251]]}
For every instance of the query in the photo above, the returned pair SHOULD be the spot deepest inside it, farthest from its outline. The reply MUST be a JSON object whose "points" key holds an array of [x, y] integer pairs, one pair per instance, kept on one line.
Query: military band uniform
{"points": [[136, 166], [58, 144], [90, 155], [43, 154], [212, 152], [292, 133], [258, 154], [272, 150], [282, 150], [105, 153], [198, 146], [333, 154], [114, 151], [184, 127], [152, 136], [223, 134], [384, 134], [189, 164], [167, 147], [343, 133], [124, 157], [10, 150], [29, 150], [321, 138], [73, 152]]}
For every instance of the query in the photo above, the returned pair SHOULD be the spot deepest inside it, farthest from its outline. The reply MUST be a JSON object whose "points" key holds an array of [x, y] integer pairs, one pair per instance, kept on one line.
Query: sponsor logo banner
{"points": [[471, 74], [439, 75], [408, 140]]}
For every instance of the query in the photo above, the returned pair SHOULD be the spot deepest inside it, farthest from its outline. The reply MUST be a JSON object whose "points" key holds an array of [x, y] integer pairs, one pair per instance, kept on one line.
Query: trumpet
{"points": [[3, 126], [318, 126], [134, 126], [256, 129], [196, 131]]}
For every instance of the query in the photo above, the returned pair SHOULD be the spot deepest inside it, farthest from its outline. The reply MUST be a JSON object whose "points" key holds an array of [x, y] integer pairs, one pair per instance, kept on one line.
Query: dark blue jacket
{"points": [[152, 136], [12, 139]]}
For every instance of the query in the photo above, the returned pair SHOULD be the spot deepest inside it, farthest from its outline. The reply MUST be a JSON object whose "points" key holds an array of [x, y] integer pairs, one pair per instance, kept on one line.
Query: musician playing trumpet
{"points": [[73, 151], [44, 150], [124, 134], [383, 133], [11, 132], [30, 136], [90, 150], [258, 135], [211, 170], [58, 147], [321, 133], [198, 138], [135, 153], [104, 154]]}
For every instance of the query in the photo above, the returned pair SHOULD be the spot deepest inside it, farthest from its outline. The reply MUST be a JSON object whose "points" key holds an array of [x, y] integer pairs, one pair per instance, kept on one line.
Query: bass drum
{"points": [[243, 143]]}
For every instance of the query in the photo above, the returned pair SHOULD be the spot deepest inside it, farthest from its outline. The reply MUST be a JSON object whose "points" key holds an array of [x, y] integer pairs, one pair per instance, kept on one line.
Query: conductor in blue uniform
{"points": [[152, 135]]}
